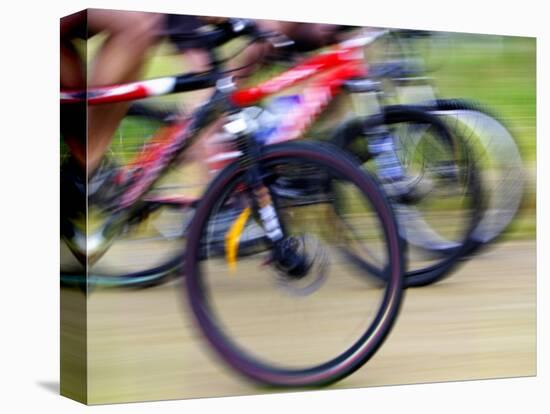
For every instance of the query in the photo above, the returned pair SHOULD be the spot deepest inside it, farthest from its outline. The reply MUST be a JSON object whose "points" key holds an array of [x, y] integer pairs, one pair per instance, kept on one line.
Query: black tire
{"points": [[205, 305], [446, 258]]}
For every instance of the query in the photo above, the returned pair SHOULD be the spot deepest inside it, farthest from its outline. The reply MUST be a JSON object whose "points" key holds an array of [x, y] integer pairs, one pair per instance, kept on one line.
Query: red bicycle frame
{"points": [[347, 59], [328, 71]]}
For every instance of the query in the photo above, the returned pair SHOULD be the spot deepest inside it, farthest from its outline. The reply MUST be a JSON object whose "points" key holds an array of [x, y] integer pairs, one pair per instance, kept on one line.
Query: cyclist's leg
{"points": [[195, 58], [72, 76], [119, 60], [198, 60], [71, 70]]}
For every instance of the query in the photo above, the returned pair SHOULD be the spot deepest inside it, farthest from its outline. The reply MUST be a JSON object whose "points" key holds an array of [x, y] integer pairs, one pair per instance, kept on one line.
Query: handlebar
{"points": [[223, 33]]}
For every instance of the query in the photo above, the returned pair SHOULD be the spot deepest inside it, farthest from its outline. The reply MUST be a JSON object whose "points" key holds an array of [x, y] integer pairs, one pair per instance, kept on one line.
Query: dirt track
{"points": [[480, 323]]}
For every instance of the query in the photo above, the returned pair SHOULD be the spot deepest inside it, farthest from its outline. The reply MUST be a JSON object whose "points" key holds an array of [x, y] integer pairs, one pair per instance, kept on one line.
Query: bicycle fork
{"points": [[288, 252]]}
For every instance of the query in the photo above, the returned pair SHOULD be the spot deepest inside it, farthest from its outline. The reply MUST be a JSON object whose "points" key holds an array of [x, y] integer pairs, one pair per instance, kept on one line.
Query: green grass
{"points": [[499, 73]]}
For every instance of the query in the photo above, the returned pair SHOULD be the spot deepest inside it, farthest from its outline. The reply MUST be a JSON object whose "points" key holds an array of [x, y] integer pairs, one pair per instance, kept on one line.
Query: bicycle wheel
{"points": [[308, 328], [439, 223], [498, 158], [148, 252]]}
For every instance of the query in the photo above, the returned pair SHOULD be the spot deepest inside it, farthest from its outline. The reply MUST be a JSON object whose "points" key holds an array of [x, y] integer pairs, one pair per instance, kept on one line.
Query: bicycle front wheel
{"points": [[308, 328]]}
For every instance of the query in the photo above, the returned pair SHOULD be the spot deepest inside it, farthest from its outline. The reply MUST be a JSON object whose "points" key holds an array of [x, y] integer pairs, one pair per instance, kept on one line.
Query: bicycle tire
{"points": [[200, 298]]}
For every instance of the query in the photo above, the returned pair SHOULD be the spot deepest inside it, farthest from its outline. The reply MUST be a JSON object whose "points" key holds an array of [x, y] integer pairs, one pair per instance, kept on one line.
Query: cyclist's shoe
{"points": [[104, 188]]}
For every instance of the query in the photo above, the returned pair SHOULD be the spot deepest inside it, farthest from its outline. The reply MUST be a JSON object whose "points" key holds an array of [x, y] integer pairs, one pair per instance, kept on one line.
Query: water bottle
{"points": [[276, 117]]}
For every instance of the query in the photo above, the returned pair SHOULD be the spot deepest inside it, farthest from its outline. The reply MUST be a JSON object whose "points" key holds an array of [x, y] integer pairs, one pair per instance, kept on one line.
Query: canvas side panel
{"points": [[73, 296]]}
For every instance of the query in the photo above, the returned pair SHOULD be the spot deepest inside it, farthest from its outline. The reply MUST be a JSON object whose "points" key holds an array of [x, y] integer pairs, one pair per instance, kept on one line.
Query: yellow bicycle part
{"points": [[232, 238]]}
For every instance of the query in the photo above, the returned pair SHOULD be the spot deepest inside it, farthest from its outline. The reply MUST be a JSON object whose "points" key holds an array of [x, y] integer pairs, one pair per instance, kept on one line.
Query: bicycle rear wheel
{"points": [[307, 329], [149, 250]]}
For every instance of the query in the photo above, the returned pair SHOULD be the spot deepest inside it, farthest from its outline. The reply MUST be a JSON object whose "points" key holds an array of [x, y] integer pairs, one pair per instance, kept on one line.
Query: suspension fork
{"points": [[243, 129], [288, 252]]}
